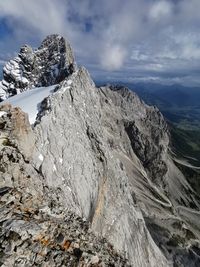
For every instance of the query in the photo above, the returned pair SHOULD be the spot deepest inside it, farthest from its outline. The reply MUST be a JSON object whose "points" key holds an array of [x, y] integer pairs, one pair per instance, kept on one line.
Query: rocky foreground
{"points": [[93, 178]]}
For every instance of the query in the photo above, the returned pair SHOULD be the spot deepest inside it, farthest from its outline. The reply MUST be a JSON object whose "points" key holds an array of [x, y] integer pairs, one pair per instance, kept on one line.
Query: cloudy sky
{"points": [[129, 40]]}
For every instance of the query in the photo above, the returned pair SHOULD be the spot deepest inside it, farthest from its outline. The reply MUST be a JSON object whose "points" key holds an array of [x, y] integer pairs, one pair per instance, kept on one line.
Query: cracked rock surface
{"points": [[94, 179], [35, 229]]}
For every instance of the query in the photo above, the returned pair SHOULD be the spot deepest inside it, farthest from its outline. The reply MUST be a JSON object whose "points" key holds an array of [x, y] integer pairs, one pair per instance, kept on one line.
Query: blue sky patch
{"points": [[5, 30]]}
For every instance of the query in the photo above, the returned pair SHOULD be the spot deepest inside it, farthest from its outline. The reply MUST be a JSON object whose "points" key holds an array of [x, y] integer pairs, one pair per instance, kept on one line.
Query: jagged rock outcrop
{"points": [[147, 132], [103, 155], [34, 228], [49, 64], [16, 130]]}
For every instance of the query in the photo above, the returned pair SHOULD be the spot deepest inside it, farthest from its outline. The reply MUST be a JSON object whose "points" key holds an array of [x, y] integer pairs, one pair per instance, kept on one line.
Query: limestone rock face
{"points": [[49, 64], [103, 155], [92, 154], [16, 130], [35, 228]]}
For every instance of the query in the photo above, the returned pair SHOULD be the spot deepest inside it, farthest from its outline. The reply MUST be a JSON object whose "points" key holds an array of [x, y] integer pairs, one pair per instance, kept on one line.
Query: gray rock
{"points": [[51, 63], [16, 130], [89, 172], [35, 228], [103, 155]]}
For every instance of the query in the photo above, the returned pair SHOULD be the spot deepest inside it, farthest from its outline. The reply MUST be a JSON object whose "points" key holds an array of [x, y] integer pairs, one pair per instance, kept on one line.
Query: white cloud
{"points": [[160, 10], [43, 16], [155, 35], [113, 57], [189, 46], [114, 25]]}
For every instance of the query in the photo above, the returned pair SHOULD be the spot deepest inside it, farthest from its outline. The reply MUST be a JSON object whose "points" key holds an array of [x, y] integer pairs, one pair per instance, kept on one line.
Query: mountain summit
{"points": [[92, 182], [51, 63]]}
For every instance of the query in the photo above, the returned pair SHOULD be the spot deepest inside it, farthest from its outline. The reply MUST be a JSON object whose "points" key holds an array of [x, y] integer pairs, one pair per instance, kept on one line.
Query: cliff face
{"points": [[35, 228], [103, 155]]}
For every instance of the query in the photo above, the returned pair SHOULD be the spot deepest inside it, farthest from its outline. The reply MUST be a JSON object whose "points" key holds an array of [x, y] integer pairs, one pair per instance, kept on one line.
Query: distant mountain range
{"points": [[179, 104], [171, 95], [90, 161], [181, 107]]}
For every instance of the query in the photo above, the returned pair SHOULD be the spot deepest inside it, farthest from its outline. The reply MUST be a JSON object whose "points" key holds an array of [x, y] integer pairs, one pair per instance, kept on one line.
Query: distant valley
{"points": [[181, 107], [179, 104]]}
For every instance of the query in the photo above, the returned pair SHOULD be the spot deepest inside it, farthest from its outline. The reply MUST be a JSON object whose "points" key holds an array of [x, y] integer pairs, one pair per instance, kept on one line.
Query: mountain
{"points": [[92, 181], [179, 104], [175, 95], [180, 107], [48, 65]]}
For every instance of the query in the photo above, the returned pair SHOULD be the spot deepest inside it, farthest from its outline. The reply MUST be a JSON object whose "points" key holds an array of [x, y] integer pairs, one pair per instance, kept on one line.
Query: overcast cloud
{"points": [[134, 40]]}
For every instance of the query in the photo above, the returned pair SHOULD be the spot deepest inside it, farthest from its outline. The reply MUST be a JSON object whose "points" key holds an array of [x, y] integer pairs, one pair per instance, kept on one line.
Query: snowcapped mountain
{"points": [[49, 64], [93, 181]]}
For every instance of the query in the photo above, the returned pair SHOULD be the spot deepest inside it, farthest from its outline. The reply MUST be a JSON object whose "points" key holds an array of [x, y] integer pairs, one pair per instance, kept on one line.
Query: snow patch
{"points": [[65, 88], [69, 82], [41, 157], [54, 168], [29, 100], [69, 188], [61, 160], [2, 113], [5, 83]]}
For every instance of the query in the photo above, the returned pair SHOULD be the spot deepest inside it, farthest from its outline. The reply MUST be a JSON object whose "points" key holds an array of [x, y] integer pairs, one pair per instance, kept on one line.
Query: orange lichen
{"points": [[45, 241], [66, 244], [100, 199]]}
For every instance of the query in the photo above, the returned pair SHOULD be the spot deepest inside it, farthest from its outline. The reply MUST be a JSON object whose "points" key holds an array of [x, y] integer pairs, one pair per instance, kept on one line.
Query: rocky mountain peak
{"points": [[51, 63], [93, 177]]}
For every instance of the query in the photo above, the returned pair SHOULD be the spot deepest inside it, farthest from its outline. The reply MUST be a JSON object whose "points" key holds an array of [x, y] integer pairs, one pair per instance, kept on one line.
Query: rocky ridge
{"points": [[52, 62], [35, 230], [102, 154]]}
